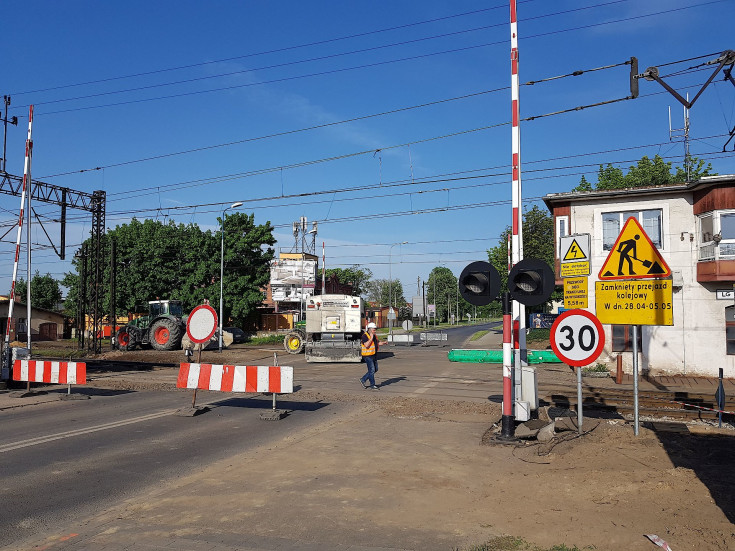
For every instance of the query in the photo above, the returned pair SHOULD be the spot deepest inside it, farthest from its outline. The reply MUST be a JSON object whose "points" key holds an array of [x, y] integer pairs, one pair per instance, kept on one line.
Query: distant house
{"points": [[693, 227], [46, 325]]}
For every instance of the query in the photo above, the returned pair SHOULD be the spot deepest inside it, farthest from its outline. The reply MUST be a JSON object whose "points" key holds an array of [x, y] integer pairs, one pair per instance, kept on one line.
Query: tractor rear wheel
{"points": [[165, 334], [294, 342], [125, 339]]}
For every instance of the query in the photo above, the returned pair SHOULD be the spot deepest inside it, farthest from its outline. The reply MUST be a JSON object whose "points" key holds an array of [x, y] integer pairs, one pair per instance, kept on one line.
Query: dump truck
{"points": [[332, 330], [161, 325]]}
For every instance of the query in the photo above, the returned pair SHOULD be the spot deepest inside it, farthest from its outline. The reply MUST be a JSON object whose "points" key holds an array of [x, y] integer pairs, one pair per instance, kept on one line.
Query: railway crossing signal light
{"points": [[531, 282], [479, 283]]}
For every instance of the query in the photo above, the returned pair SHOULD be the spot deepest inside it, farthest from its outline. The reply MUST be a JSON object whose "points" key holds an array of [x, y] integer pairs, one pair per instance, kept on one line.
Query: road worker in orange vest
{"points": [[369, 344]]}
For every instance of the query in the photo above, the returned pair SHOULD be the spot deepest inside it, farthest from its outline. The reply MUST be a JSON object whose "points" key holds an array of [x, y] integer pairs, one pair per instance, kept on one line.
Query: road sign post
{"points": [[635, 288], [577, 338], [200, 327]]}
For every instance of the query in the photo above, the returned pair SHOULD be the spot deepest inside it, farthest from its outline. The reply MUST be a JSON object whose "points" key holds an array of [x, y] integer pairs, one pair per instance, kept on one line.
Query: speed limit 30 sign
{"points": [[577, 337]]}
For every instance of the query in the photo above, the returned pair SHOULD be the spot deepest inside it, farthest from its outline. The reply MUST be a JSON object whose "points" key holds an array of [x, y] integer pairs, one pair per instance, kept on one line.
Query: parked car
{"points": [[238, 335]]}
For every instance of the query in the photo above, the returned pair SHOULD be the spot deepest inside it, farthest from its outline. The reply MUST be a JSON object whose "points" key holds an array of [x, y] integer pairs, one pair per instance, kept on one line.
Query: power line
{"points": [[326, 125], [312, 59], [170, 211], [381, 63], [276, 50]]}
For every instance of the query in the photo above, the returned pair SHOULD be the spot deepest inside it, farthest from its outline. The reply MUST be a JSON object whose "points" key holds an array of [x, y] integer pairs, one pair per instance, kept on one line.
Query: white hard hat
{"points": [[371, 325]]}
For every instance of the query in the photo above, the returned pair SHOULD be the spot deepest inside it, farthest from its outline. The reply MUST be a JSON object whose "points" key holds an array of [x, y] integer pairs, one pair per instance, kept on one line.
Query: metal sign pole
{"points": [[579, 400], [635, 380]]}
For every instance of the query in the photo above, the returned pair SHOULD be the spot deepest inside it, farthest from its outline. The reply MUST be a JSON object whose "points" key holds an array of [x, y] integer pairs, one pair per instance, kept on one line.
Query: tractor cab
{"points": [[158, 308]]}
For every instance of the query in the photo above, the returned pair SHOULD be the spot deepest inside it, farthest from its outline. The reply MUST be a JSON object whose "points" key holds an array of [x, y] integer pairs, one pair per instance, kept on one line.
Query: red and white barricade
{"points": [[62, 373], [236, 378]]}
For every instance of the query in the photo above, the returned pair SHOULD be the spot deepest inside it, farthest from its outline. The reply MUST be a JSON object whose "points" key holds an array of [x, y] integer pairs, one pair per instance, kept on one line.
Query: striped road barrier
{"points": [[236, 378], [39, 371]]}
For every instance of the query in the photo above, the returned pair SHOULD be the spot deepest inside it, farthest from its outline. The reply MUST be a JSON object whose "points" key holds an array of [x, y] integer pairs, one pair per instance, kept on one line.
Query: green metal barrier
{"points": [[496, 356]]}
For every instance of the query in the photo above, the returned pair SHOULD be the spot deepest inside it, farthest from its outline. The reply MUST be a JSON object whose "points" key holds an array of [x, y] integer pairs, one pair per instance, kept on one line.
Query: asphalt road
{"points": [[66, 460]]}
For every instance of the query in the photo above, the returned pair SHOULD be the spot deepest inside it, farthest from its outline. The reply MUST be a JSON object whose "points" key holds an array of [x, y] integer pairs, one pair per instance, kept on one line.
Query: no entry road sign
{"points": [[202, 324], [577, 337]]}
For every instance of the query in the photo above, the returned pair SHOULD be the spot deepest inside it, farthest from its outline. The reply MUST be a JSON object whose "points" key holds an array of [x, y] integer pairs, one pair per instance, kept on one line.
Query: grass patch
{"points": [[539, 336], [477, 335], [512, 543], [597, 368], [269, 339], [61, 353]]}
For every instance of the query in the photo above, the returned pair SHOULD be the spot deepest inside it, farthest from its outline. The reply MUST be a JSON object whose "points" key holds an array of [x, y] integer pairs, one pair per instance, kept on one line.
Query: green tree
{"points": [[356, 275], [644, 173], [538, 242], [158, 260], [45, 291], [381, 291], [441, 289]]}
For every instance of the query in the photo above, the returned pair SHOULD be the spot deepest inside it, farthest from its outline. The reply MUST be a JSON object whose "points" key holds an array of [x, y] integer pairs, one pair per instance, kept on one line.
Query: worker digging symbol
{"points": [[634, 256], [627, 252]]}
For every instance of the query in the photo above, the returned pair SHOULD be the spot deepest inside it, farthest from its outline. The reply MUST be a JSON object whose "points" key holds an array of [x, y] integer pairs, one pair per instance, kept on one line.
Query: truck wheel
{"points": [[294, 342], [125, 340], [165, 334]]}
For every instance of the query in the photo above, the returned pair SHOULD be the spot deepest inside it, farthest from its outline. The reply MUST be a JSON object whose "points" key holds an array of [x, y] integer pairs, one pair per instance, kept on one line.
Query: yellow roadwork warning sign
{"points": [[635, 302], [575, 252], [575, 292], [634, 256]]}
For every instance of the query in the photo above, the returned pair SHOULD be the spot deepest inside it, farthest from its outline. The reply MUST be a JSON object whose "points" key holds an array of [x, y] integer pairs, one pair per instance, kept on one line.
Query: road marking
{"points": [[71, 433], [426, 387]]}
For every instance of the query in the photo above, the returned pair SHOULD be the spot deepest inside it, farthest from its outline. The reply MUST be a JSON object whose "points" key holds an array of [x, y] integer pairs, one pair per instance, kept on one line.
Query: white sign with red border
{"points": [[577, 337], [202, 324]]}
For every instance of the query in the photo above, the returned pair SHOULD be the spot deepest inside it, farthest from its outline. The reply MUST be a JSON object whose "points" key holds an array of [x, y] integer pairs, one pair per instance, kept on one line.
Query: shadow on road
{"points": [[392, 380], [708, 456], [266, 403]]}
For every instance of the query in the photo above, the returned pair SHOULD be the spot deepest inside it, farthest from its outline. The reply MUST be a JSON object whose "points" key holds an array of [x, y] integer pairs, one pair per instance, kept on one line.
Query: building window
{"points": [[622, 338], [717, 235], [562, 230], [650, 220]]}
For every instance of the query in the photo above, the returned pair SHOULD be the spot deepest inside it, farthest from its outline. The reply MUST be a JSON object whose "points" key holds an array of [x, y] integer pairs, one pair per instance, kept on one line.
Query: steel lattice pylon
{"points": [[90, 290]]}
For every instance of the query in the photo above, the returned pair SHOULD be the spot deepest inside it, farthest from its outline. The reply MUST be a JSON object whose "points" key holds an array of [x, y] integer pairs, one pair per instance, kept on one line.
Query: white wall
{"points": [[695, 345]]}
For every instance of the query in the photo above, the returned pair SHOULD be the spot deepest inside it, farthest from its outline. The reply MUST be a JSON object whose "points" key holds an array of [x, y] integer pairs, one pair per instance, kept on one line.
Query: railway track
{"points": [[597, 400], [685, 406]]}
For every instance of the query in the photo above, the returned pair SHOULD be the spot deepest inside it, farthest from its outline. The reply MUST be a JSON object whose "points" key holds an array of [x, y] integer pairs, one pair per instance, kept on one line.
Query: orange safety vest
{"points": [[369, 348]]}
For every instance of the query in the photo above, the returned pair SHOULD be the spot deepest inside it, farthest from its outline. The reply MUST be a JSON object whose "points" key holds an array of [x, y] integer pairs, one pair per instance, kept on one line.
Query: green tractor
{"points": [[161, 325]]}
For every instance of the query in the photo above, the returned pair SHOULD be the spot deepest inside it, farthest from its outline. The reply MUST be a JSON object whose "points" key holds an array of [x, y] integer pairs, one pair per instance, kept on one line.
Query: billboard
{"points": [[288, 277]]}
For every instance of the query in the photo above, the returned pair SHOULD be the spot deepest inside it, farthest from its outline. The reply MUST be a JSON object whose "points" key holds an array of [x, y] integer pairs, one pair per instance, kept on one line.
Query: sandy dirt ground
{"points": [[399, 472]]}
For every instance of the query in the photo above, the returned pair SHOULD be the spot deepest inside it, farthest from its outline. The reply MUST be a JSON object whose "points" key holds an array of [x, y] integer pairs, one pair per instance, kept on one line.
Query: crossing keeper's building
{"points": [[693, 228]]}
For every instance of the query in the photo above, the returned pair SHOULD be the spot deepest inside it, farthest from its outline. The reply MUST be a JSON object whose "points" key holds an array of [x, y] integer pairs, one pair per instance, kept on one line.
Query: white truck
{"points": [[332, 332]]}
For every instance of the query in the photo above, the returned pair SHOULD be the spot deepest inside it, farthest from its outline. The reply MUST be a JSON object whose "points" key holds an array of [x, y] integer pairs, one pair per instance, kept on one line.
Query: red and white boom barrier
{"points": [[62, 373], [236, 378]]}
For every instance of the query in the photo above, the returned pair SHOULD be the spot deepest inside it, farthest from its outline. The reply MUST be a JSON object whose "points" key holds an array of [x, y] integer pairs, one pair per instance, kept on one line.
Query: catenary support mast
{"points": [[11, 304]]}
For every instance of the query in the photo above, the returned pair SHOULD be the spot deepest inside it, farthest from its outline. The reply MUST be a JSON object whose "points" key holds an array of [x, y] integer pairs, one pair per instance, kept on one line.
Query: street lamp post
{"points": [[222, 270], [390, 282]]}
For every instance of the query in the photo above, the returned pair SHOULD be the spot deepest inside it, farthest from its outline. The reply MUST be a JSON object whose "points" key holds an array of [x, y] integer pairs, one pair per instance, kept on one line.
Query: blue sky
{"points": [[115, 83]]}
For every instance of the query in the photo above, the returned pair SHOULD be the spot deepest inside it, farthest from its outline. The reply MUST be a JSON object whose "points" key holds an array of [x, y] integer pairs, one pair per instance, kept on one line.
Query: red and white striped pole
{"points": [[519, 310], [11, 304], [507, 430]]}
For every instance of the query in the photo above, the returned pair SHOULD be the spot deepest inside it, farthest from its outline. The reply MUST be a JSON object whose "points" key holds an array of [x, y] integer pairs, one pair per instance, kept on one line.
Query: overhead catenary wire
{"points": [[327, 125], [414, 182], [320, 42], [364, 66]]}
